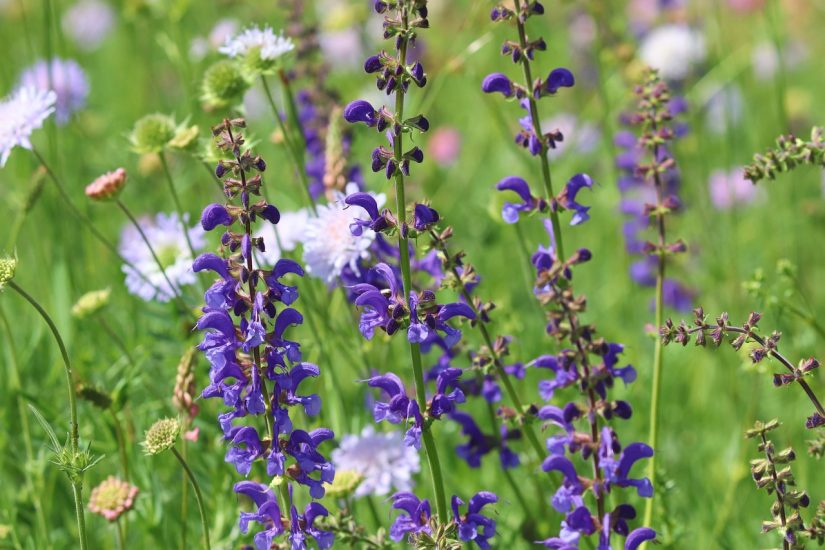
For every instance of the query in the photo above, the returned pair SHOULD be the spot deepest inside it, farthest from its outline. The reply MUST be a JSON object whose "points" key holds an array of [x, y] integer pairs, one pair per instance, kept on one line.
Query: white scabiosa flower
{"points": [[329, 245], [66, 78], [20, 115], [290, 233], [88, 23], [674, 50], [169, 243], [382, 458], [264, 43]]}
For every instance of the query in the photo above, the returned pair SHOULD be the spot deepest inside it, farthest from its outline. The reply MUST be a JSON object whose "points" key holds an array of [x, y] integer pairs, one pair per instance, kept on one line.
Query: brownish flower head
{"points": [[107, 186], [112, 498], [185, 388]]}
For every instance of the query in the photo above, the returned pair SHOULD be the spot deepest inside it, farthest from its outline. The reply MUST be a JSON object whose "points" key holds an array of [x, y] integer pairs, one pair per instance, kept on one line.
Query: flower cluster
{"points": [[531, 136], [701, 331], [22, 113], [255, 369], [63, 76], [649, 186], [790, 152], [591, 366], [773, 473]]}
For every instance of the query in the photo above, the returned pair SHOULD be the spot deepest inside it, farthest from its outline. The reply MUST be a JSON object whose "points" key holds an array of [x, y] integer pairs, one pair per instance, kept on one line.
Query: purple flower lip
{"points": [[559, 78], [360, 111], [215, 215], [497, 82]]}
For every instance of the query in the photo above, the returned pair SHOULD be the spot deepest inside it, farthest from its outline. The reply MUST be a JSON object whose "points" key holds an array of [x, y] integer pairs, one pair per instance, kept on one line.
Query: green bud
{"points": [[91, 303], [8, 266], [152, 133], [185, 138], [223, 85], [161, 436]]}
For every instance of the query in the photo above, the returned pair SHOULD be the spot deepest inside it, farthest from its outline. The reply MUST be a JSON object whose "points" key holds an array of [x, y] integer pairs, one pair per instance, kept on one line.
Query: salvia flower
{"points": [[63, 76], [383, 460], [414, 517], [474, 526], [112, 498], [169, 242], [399, 409], [256, 369], [21, 114]]}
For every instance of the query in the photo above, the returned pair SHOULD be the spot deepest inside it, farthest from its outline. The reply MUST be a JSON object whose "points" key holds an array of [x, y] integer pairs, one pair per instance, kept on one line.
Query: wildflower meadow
{"points": [[304, 274]]}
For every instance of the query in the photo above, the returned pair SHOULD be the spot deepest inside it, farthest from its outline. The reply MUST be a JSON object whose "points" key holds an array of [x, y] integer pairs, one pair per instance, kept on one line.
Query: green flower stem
{"points": [[121, 535], [292, 112], [121, 444], [85, 220], [656, 388], [176, 199], [175, 290], [296, 151], [403, 244], [536, 120], [15, 385], [198, 496], [77, 484]]}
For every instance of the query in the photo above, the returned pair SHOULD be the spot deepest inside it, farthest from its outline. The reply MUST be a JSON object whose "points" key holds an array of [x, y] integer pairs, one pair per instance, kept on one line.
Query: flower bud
{"points": [[223, 85], [7, 268], [107, 186], [152, 133]]}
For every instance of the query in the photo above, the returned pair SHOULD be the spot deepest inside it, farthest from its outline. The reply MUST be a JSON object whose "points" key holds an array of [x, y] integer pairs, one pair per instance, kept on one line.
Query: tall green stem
{"points": [[77, 484], [198, 496], [656, 389], [403, 245], [534, 117], [176, 200]]}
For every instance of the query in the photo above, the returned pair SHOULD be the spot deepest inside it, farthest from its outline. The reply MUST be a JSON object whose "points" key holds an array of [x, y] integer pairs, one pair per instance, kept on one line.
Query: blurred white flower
{"points": [[218, 36], [88, 23], [20, 115], [673, 49], [382, 458], [270, 46], [579, 136], [67, 80], [765, 59], [342, 48], [329, 245], [168, 241], [291, 229]]}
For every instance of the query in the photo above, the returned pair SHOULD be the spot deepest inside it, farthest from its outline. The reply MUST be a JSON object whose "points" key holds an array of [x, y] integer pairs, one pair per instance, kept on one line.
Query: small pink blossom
{"points": [[445, 146], [730, 188]]}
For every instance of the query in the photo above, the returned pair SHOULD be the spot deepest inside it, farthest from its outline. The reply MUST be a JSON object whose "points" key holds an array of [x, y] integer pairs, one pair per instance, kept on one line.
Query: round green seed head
{"points": [[152, 133], [344, 484], [161, 436], [223, 85]]}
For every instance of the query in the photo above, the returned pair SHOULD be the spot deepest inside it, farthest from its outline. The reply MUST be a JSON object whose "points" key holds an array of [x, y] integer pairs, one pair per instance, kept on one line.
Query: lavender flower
{"points": [[255, 368], [383, 460], [66, 78], [146, 279], [22, 113]]}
